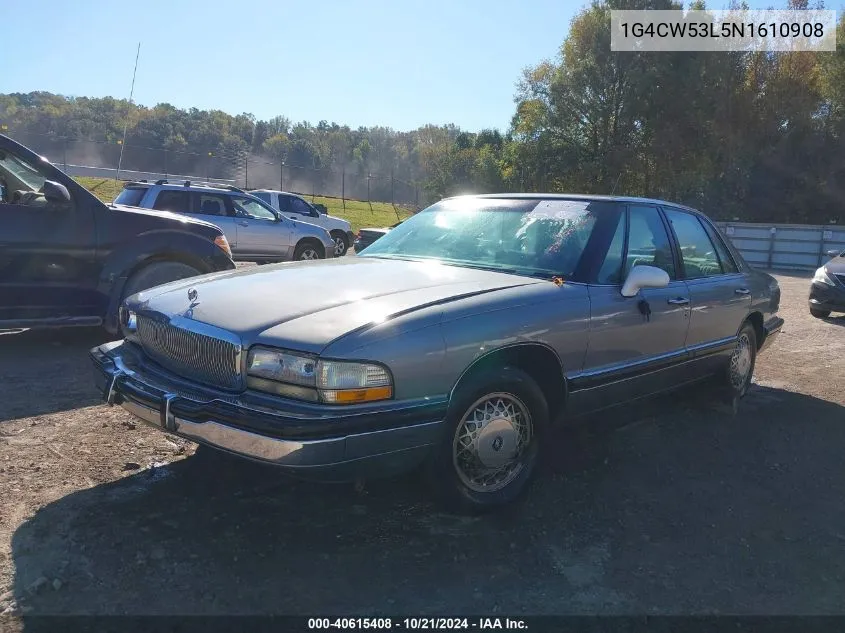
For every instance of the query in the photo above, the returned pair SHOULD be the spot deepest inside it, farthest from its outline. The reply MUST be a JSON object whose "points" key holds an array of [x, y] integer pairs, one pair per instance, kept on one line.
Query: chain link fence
{"points": [[249, 171]]}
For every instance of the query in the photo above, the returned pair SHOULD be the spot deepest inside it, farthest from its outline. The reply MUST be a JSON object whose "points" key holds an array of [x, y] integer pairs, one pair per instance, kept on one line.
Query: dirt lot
{"points": [[673, 506]]}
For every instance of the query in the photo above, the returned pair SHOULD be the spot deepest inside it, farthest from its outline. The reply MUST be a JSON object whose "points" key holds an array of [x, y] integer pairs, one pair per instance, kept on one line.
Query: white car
{"points": [[298, 208]]}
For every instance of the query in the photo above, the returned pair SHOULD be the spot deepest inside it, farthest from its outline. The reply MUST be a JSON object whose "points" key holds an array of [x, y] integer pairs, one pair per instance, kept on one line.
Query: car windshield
{"points": [[530, 237]]}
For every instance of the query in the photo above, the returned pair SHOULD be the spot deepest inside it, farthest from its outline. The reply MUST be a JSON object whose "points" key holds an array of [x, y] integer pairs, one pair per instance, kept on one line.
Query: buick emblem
{"points": [[497, 443], [192, 295]]}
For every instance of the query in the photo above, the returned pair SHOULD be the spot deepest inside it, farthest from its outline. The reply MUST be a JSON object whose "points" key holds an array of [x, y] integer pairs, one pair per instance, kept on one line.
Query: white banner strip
{"points": [[735, 30]]}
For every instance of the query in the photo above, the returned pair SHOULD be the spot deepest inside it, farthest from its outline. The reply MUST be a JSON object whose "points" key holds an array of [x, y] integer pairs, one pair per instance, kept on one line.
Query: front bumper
{"points": [[771, 330], [313, 440], [826, 297]]}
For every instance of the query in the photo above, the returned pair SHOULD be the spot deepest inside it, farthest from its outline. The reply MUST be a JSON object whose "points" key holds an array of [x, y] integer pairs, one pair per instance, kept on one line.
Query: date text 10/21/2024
{"points": [[422, 623]]}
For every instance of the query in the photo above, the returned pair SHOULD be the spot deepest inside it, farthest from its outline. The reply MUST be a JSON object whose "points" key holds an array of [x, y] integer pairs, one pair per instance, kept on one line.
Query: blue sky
{"points": [[399, 63]]}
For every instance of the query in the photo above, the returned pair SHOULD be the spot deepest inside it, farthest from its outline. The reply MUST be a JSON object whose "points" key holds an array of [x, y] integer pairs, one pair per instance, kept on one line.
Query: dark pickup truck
{"points": [[66, 258]]}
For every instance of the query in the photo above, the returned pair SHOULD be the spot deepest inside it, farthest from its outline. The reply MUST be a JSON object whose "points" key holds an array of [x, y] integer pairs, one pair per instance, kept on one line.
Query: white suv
{"points": [[297, 208]]}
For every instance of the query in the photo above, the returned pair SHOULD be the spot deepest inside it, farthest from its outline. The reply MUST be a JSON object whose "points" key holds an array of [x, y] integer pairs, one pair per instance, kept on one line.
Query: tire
{"points": [[341, 243], [505, 392], [156, 274], [307, 250], [740, 367], [819, 314]]}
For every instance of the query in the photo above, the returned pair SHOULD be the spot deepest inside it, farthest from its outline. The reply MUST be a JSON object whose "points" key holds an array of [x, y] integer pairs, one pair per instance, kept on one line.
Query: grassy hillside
{"points": [[359, 214]]}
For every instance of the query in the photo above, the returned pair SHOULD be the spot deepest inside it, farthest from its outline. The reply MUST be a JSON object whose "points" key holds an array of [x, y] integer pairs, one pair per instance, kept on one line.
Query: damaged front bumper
{"points": [[314, 440]]}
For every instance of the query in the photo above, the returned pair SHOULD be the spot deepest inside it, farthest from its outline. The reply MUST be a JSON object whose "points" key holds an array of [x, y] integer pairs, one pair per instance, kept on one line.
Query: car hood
{"points": [[334, 218], [836, 265], [166, 217], [307, 305]]}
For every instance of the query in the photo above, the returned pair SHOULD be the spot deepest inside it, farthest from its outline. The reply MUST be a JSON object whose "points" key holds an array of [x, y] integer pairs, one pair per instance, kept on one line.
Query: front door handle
{"points": [[742, 291], [243, 223], [678, 301], [292, 217]]}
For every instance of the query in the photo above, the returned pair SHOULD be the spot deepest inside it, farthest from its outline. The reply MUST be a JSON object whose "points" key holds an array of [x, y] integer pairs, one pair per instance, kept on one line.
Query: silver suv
{"points": [[256, 232]]}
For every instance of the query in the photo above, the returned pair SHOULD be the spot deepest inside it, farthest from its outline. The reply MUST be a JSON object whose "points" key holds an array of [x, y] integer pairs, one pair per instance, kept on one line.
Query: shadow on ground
{"points": [[671, 507], [47, 371]]}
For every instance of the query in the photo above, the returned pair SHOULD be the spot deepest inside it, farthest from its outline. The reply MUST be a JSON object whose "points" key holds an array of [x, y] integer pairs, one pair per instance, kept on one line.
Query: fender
{"points": [[555, 378], [156, 245]]}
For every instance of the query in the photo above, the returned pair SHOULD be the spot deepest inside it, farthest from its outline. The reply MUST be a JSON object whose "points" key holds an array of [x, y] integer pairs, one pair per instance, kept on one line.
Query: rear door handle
{"points": [[742, 291], [678, 301]]}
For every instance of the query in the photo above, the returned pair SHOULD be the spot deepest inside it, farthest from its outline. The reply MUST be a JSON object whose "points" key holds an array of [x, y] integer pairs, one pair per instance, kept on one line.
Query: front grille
{"points": [[841, 279], [190, 354]]}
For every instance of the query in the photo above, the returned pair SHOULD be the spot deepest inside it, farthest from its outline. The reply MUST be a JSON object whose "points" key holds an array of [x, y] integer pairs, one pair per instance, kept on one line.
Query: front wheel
{"points": [[306, 251], [490, 445], [819, 314]]}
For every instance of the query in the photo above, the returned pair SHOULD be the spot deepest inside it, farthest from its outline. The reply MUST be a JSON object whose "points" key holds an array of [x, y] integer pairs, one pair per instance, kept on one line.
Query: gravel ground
{"points": [[669, 507]]}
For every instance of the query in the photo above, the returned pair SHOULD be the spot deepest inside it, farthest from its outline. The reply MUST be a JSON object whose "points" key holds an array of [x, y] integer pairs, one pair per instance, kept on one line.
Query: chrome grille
{"points": [[193, 355]]}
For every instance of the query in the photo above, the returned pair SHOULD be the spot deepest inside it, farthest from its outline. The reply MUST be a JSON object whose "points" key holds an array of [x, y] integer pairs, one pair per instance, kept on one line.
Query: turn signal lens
{"points": [[223, 244], [353, 396]]}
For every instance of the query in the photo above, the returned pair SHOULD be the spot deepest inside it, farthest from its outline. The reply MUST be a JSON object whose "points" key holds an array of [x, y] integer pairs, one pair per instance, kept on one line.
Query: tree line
{"points": [[754, 136]]}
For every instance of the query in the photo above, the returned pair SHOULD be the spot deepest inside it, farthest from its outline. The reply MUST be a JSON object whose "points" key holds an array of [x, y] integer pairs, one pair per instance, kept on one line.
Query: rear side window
{"points": [[131, 196], [263, 195], [697, 251], [210, 204], [169, 200], [725, 257]]}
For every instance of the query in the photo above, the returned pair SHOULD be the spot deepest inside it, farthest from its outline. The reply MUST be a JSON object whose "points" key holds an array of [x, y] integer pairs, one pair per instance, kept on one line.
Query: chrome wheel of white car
{"points": [[490, 442]]}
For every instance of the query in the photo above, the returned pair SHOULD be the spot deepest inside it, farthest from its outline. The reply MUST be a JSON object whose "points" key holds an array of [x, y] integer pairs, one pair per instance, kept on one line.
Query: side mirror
{"points": [[644, 277], [833, 253], [55, 192]]}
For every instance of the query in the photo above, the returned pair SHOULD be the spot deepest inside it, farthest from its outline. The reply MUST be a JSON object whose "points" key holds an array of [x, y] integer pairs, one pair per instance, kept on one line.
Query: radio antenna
{"points": [[612, 191], [129, 111]]}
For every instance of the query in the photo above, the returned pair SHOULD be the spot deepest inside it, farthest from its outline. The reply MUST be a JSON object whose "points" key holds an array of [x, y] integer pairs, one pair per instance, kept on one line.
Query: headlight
{"points": [[821, 277], [223, 244], [309, 378], [128, 321]]}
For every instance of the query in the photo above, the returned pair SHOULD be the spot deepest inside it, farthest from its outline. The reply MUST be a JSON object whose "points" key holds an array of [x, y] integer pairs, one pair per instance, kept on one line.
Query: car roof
{"points": [[180, 186], [286, 193], [575, 196]]}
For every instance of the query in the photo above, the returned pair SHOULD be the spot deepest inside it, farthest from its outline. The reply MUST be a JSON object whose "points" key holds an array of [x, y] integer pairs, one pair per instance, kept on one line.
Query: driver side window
{"points": [[648, 242], [22, 182], [299, 206], [252, 209]]}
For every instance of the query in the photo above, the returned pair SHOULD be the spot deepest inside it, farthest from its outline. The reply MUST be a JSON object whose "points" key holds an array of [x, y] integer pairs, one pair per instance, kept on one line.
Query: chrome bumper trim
{"points": [[339, 450]]}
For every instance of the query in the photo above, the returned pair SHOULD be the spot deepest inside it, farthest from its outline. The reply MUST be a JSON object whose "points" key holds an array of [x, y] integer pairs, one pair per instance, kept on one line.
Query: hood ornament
{"points": [[192, 297]]}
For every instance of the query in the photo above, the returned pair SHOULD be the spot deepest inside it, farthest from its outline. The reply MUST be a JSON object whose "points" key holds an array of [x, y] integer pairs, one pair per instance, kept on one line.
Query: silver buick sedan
{"points": [[455, 342]]}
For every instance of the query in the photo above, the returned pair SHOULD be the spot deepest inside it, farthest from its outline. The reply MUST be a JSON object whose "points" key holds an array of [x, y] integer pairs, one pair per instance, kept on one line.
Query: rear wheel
{"points": [[819, 314], [741, 365], [490, 445], [341, 243], [306, 251], [156, 274]]}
